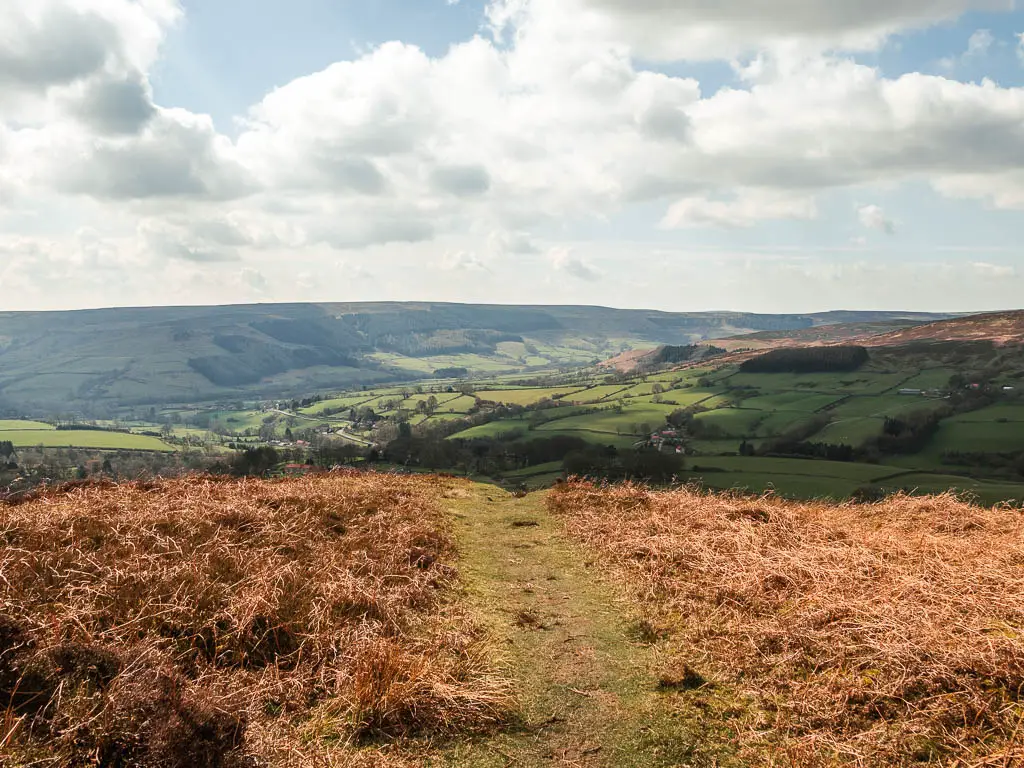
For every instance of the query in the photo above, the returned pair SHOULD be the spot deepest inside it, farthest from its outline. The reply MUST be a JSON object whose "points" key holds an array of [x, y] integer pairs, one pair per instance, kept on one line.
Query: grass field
{"points": [[831, 383], [855, 431], [526, 396], [733, 422], [977, 436], [492, 429], [790, 401], [7, 425], [629, 422], [109, 441]]}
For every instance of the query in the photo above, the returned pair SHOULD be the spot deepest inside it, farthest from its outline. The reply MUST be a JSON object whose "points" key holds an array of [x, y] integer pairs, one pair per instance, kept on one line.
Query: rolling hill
{"points": [[92, 361], [998, 327]]}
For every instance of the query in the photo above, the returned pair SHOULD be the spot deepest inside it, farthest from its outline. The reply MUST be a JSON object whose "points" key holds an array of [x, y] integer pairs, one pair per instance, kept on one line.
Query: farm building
{"points": [[911, 392]]}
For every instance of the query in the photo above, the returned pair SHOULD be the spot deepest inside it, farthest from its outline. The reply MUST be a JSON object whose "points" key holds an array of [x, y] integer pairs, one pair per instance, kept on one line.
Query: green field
{"points": [[94, 439], [492, 429], [526, 396], [832, 383], [977, 437], [855, 432], [629, 422], [6, 425]]}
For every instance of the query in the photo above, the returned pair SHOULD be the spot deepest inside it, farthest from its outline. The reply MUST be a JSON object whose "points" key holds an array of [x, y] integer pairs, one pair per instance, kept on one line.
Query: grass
{"points": [[8, 425], [588, 693], [733, 422], [863, 473], [980, 436], [858, 382], [206, 622], [628, 422], [98, 440], [829, 635], [984, 491], [525, 396], [855, 432], [790, 401], [492, 429]]}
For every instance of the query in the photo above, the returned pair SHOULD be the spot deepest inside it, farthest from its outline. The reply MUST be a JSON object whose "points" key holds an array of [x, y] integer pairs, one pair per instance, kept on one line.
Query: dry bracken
{"points": [[212, 622], [854, 635]]}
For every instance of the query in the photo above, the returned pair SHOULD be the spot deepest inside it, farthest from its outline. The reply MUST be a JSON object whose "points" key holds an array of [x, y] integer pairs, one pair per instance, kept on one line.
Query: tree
{"points": [[288, 435]]}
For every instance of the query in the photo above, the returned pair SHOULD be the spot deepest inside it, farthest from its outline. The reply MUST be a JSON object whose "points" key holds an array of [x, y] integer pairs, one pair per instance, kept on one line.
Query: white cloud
{"points": [[492, 150], [996, 271], [696, 29], [980, 43], [873, 217], [743, 209], [564, 260]]}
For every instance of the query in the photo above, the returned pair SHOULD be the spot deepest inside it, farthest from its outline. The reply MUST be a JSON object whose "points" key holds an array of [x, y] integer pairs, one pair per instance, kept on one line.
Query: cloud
{"points": [[461, 180], [494, 149], [179, 242], [115, 105], [563, 260], [995, 271], [744, 209], [696, 29], [462, 261], [873, 217], [979, 43], [177, 155]]}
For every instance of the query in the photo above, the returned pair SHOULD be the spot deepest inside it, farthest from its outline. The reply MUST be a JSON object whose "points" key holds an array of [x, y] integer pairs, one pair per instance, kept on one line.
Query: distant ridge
{"points": [[89, 362]]}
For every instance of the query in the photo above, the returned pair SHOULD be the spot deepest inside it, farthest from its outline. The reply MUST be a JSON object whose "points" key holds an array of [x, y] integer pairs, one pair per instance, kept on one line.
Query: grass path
{"points": [[588, 695]]}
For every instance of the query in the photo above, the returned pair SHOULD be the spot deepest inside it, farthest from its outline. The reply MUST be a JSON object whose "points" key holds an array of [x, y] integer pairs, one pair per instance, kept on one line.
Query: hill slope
{"points": [[998, 327], [92, 360]]}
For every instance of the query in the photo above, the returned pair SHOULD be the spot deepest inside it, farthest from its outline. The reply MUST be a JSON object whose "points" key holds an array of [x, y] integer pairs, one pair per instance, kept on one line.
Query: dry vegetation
{"points": [[884, 634], [207, 622]]}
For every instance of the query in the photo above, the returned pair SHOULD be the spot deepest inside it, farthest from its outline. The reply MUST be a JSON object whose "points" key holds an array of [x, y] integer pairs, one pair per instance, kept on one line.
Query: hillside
{"points": [[94, 360], [998, 327]]}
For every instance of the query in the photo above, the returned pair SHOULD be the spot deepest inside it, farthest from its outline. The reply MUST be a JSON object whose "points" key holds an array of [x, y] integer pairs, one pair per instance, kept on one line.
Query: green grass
{"points": [[791, 486], [526, 396], [597, 394], [858, 382], [855, 431], [861, 473], [626, 423], [456, 404], [931, 379], [585, 686], [85, 439], [7, 425], [880, 406], [977, 437], [994, 413], [492, 429], [779, 423], [987, 492], [803, 402], [351, 401], [733, 422]]}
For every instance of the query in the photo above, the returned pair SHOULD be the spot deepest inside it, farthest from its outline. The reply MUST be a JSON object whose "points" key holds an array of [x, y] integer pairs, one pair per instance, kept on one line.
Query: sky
{"points": [[753, 155]]}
